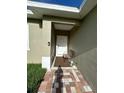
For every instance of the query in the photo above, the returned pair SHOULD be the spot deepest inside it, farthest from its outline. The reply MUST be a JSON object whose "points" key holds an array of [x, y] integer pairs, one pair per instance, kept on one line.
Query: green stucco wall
{"points": [[84, 43]]}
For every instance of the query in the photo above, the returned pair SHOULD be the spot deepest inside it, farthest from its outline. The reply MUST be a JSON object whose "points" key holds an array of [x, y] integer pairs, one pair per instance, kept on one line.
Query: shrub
{"points": [[35, 75]]}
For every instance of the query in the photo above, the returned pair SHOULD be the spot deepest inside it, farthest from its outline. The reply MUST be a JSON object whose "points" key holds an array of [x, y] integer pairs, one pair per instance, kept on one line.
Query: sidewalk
{"points": [[72, 82]]}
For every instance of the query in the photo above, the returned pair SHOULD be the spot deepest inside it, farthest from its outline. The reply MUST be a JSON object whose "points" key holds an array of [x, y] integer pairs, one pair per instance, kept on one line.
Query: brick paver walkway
{"points": [[71, 82]]}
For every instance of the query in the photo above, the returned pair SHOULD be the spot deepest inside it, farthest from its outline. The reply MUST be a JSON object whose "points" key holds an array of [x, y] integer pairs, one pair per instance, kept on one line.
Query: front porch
{"points": [[53, 36], [71, 82]]}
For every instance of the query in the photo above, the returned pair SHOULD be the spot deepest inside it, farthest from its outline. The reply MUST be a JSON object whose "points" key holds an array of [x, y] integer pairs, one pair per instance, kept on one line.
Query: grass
{"points": [[35, 75]]}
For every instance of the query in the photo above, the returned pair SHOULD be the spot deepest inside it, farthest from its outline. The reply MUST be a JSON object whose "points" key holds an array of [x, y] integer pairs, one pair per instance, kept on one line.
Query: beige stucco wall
{"points": [[39, 36], [84, 42]]}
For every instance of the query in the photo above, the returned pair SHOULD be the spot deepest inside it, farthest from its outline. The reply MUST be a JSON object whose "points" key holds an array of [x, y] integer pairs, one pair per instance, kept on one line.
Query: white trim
{"points": [[53, 6], [75, 76], [82, 5], [87, 88], [54, 61], [66, 73], [29, 12], [64, 22], [66, 80]]}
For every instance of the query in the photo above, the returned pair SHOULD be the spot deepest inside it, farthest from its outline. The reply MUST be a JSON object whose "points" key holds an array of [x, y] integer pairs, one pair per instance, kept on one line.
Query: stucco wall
{"points": [[84, 43], [39, 36]]}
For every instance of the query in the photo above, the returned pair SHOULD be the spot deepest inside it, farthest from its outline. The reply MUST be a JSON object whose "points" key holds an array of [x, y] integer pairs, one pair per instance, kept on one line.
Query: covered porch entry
{"points": [[61, 37]]}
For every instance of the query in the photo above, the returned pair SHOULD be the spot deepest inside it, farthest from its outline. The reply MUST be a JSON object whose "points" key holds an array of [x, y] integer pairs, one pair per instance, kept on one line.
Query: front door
{"points": [[61, 45]]}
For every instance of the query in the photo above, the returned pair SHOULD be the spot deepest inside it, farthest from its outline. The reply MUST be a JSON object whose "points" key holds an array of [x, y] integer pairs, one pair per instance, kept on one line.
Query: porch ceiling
{"points": [[63, 27]]}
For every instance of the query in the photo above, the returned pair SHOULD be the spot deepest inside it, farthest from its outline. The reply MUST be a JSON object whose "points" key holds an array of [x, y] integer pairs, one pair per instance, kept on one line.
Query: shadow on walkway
{"points": [[57, 85]]}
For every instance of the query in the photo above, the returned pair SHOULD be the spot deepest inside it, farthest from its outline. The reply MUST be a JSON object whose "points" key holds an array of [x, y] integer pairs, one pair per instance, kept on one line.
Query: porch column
{"points": [[46, 36]]}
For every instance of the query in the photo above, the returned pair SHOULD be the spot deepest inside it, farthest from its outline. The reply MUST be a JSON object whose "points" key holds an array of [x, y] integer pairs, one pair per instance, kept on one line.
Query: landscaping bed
{"points": [[35, 76]]}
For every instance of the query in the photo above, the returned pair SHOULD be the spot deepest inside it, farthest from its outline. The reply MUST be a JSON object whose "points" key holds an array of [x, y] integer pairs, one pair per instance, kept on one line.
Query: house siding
{"points": [[84, 43], [39, 36]]}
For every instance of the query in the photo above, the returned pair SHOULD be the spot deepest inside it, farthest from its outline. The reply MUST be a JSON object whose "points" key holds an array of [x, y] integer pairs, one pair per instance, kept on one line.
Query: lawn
{"points": [[35, 76]]}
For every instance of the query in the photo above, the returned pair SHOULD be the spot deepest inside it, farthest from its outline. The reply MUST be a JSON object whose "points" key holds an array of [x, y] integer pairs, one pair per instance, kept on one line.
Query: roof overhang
{"points": [[38, 10]]}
